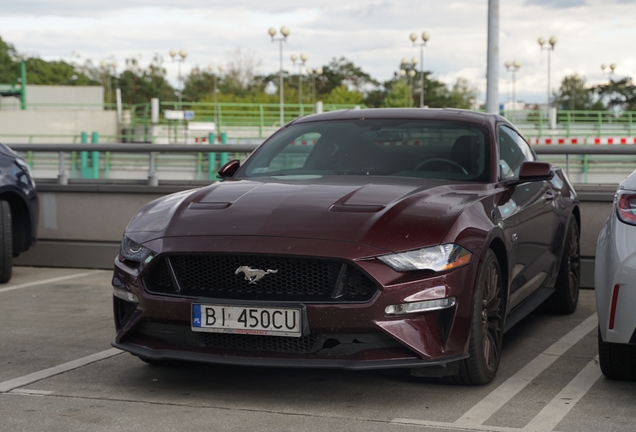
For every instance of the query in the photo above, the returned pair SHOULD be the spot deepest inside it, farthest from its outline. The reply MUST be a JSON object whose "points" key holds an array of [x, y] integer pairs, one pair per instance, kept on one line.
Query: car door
{"points": [[528, 219]]}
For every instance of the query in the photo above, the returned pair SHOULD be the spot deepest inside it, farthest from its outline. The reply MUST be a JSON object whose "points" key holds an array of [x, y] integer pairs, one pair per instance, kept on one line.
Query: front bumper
{"points": [[158, 327]]}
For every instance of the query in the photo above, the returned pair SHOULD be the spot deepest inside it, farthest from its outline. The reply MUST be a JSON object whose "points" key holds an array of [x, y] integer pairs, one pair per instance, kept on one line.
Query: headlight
{"points": [[27, 170], [133, 251], [436, 258]]}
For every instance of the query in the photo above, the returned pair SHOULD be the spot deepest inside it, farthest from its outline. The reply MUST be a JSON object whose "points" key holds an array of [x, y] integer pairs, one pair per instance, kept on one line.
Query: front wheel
{"points": [[486, 328]]}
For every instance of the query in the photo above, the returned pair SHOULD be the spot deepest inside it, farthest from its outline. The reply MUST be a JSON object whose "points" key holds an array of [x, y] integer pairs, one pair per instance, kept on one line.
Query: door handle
{"points": [[548, 196]]}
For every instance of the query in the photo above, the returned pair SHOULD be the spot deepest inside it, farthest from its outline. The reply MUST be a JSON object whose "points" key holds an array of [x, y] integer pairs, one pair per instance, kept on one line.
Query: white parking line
{"points": [[552, 414], [481, 412], [47, 281], [452, 426], [30, 392], [7, 386]]}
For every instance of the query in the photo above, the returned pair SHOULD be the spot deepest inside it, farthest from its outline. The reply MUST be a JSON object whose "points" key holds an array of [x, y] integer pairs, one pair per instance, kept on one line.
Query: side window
{"points": [[513, 151]]}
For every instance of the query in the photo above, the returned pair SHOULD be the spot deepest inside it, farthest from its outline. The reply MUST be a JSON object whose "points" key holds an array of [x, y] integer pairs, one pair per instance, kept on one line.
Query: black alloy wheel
{"points": [[566, 295], [486, 327]]}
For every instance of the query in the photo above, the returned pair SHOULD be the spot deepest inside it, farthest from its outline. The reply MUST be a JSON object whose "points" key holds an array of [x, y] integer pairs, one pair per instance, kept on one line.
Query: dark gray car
{"points": [[18, 209]]}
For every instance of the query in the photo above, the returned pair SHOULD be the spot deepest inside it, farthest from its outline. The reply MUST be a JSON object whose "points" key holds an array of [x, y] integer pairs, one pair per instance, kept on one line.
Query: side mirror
{"points": [[532, 170], [229, 169]]}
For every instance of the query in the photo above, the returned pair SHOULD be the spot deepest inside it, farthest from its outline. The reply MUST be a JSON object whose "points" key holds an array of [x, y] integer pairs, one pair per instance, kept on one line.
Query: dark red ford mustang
{"points": [[389, 238]]}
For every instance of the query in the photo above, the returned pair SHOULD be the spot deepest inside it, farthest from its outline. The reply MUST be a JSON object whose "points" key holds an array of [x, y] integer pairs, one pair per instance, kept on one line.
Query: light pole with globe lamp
{"points": [[284, 31], [549, 49], [313, 73], [301, 62], [180, 59], [409, 70], [412, 74], [513, 67], [610, 70], [425, 38]]}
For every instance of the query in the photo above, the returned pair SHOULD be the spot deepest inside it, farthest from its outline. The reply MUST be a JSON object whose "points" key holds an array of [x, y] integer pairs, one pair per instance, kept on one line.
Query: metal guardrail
{"points": [[153, 149]]}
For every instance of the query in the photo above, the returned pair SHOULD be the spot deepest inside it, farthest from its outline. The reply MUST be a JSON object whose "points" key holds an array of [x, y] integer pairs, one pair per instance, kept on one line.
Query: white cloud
{"points": [[374, 35]]}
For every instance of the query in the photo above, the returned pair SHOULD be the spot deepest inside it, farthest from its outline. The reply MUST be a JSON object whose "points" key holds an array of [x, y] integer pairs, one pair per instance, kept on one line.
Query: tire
{"points": [[486, 329], [6, 242], [566, 297], [618, 361]]}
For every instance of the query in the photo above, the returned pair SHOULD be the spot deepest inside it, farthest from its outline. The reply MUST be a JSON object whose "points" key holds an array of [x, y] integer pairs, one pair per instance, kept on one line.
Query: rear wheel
{"points": [[566, 296], [6, 242], [486, 327], [618, 361]]}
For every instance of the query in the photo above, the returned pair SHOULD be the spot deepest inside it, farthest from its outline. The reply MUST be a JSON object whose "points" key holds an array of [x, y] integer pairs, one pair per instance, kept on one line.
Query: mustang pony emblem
{"points": [[253, 275]]}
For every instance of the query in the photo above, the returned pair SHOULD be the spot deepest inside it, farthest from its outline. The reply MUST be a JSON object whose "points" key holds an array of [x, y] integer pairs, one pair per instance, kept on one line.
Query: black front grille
{"points": [[294, 279], [240, 342]]}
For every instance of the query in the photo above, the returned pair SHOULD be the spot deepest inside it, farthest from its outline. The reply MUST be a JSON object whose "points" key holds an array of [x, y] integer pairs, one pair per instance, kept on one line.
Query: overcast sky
{"points": [[373, 34]]}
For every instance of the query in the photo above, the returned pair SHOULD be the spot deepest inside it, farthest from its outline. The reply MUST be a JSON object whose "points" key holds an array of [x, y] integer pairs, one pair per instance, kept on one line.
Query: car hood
{"points": [[391, 213]]}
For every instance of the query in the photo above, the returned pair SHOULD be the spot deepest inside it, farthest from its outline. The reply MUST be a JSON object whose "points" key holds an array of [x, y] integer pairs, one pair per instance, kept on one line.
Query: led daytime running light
{"points": [[424, 306]]}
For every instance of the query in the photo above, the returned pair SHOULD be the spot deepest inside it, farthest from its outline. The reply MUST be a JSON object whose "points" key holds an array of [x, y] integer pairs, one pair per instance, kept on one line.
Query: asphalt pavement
{"points": [[59, 373]]}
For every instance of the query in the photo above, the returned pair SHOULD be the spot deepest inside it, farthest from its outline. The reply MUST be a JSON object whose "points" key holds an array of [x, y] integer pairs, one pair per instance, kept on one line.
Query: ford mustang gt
{"points": [[388, 238]]}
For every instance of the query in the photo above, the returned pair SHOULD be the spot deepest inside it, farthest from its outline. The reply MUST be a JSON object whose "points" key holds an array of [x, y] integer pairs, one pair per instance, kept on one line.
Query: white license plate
{"points": [[247, 320]]}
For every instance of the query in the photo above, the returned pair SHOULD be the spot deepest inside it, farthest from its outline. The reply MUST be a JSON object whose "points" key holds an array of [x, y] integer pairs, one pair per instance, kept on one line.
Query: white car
{"points": [[615, 286]]}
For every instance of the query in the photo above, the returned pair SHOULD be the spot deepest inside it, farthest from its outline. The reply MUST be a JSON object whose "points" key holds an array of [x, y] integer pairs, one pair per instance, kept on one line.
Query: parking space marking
{"points": [[47, 281], [552, 414], [30, 392], [484, 409], [481, 412], [452, 426], [15, 383]]}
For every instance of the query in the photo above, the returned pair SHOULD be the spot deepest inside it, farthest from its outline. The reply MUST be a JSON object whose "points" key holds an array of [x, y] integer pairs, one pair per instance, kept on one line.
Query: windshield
{"points": [[375, 147]]}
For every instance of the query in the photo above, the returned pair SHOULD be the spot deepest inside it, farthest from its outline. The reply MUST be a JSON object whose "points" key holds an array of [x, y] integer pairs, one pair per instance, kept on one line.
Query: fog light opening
{"points": [[125, 295], [423, 306]]}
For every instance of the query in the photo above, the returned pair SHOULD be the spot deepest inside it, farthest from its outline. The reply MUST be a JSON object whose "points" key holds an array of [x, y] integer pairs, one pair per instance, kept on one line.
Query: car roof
{"points": [[443, 114]]}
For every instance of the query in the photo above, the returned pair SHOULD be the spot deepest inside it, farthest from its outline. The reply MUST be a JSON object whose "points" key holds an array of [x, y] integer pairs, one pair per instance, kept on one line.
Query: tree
{"points": [[9, 69], [398, 95], [341, 71], [574, 94], [139, 85], [342, 95], [55, 73], [619, 94]]}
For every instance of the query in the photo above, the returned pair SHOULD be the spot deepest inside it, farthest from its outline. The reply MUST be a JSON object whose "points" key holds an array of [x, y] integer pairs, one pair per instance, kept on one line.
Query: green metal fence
{"points": [[263, 117], [575, 123]]}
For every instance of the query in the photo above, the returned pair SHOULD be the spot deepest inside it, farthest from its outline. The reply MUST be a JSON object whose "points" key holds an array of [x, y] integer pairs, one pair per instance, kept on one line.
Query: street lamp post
{"points": [[301, 62], [513, 67], [408, 69], [284, 31], [549, 49], [313, 73], [180, 59], [610, 70], [216, 90], [425, 38], [411, 74], [110, 68]]}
